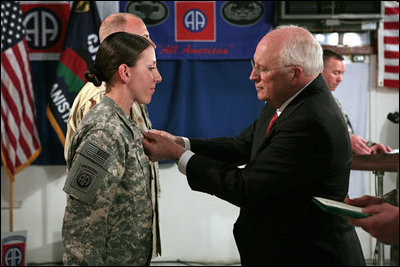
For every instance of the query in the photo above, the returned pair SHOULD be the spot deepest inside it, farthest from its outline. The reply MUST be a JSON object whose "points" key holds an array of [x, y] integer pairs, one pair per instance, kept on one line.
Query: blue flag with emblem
{"points": [[79, 51], [204, 30]]}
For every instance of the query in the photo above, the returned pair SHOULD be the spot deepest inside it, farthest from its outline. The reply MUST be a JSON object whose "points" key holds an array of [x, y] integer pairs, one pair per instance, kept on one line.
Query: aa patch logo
{"points": [[195, 21], [13, 248], [84, 179], [46, 26]]}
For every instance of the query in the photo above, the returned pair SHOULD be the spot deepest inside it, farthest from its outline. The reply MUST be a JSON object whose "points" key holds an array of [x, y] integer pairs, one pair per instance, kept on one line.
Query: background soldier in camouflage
{"points": [[109, 216]]}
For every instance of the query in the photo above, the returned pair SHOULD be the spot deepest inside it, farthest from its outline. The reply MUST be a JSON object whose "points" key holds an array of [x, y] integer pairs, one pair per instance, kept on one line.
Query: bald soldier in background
{"points": [[90, 95]]}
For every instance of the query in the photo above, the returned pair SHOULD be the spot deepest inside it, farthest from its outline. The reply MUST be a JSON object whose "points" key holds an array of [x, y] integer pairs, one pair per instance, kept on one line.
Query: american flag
{"points": [[389, 46], [20, 144]]}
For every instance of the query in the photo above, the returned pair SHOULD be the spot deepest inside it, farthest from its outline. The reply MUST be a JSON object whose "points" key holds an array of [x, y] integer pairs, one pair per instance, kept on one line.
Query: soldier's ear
{"points": [[124, 72]]}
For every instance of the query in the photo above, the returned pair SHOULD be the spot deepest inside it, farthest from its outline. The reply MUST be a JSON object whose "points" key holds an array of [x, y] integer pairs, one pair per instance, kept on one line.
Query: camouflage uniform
{"points": [[87, 98], [348, 124], [109, 216], [345, 117]]}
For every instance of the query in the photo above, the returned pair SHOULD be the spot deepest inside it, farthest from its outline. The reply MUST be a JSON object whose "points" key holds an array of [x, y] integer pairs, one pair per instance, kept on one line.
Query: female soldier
{"points": [[108, 218]]}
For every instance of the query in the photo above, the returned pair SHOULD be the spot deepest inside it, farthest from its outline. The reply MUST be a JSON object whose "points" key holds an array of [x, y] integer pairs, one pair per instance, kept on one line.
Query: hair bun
{"points": [[90, 76]]}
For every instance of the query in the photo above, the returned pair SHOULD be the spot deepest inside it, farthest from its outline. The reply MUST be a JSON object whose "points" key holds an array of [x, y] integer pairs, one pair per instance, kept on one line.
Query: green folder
{"points": [[339, 208]]}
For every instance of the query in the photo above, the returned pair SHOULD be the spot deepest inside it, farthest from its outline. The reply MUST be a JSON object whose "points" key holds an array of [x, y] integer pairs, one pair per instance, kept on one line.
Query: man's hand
{"points": [[380, 148], [175, 139], [359, 145], [384, 222], [158, 147], [364, 201]]}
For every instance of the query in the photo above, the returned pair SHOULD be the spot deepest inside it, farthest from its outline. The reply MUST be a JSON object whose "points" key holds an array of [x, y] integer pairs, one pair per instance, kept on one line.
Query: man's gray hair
{"points": [[302, 50]]}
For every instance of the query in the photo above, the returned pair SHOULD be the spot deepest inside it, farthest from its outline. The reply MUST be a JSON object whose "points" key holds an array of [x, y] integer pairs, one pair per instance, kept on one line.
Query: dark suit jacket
{"points": [[306, 153]]}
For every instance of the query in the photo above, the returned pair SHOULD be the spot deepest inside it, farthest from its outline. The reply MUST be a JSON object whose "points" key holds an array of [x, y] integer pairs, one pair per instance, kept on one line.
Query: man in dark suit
{"points": [[305, 153]]}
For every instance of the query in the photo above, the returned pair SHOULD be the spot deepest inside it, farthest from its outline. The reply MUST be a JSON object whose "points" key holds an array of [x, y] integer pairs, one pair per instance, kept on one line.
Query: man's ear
{"points": [[297, 72], [124, 73]]}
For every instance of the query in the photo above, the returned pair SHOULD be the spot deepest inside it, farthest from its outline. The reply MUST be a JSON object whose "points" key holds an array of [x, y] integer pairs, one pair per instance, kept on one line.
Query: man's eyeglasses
{"points": [[258, 71]]}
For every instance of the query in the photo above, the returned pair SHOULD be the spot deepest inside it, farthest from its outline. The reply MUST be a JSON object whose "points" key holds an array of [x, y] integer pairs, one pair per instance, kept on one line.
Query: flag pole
{"points": [[11, 201], [16, 154]]}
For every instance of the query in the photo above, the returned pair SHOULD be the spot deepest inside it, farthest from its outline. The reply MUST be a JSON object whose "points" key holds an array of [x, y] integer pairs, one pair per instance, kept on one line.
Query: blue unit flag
{"points": [[204, 30]]}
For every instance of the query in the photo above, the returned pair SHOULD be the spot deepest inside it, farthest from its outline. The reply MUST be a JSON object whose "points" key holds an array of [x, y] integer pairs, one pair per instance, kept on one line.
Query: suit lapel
{"points": [[262, 123]]}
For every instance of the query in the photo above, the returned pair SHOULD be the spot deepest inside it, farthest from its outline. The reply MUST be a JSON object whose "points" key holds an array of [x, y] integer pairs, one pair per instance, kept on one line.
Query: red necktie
{"points": [[272, 122]]}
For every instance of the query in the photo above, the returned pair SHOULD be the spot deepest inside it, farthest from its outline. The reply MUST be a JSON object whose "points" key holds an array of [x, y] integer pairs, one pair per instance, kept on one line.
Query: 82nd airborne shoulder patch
{"points": [[84, 178]]}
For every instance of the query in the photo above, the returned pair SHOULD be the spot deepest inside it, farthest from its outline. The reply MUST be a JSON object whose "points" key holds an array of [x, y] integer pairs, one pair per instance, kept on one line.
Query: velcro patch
{"points": [[84, 178], [95, 153]]}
